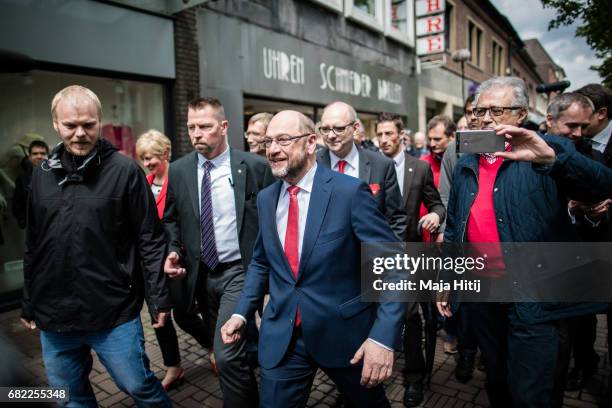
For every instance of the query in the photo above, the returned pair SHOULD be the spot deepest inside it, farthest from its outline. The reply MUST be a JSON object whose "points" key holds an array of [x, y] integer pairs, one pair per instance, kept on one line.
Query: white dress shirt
{"points": [[600, 140], [282, 207], [399, 161], [223, 203], [352, 162]]}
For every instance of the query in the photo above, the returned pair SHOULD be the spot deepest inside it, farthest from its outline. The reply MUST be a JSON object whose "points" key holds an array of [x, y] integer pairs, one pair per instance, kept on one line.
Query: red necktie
{"points": [[341, 166], [292, 238]]}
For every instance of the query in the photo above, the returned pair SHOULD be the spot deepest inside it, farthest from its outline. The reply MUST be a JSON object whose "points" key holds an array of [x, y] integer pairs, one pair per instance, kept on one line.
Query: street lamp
{"points": [[461, 56]]}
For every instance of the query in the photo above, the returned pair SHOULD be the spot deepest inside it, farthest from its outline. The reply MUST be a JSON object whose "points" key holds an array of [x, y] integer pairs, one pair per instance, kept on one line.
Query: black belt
{"points": [[222, 266]]}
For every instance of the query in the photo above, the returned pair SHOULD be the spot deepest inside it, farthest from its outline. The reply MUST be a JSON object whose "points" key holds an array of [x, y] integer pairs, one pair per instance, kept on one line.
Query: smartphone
{"points": [[479, 141]]}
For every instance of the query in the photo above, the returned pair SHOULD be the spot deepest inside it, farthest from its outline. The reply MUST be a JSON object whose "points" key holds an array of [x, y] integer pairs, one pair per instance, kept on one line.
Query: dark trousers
{"points": [[168, 343], [520, 358], [222, 290], [466, 333], [288, 384], [414, 369]]}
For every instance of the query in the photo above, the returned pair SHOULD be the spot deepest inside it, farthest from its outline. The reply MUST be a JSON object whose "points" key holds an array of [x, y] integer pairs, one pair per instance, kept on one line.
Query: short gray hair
{"points": [[563, 102], [520, 97]]}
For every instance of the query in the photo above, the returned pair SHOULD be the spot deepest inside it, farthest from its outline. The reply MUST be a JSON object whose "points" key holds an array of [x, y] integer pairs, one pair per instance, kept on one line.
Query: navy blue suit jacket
{"points": [[341, 215]]}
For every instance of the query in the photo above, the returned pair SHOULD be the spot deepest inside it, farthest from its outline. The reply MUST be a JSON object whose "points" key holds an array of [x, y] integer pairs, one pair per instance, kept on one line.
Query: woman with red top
{"points": [[153, 150]]}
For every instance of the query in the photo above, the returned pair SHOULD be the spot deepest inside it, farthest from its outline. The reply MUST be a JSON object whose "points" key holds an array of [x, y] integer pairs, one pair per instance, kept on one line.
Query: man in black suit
{"points": [[417, 185], [338, 124], [211, 223]]}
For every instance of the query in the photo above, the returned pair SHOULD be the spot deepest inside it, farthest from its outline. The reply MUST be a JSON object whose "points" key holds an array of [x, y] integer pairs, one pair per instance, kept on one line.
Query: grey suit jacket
{"points": [[250, 174], [379, 173]]}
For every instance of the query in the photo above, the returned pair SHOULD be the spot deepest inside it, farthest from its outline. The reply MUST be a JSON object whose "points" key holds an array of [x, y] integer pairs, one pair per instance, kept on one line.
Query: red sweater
{"points": [[435, 163], [482, 223], [160, 200]]}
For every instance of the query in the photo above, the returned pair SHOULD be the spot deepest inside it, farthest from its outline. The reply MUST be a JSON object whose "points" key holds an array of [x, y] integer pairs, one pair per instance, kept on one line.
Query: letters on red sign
{"points": [[434, 24], [434, 44], [433, 6]]}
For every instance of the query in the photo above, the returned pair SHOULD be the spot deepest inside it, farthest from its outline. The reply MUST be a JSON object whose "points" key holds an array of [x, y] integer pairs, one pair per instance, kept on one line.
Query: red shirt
{"points": [[435, 162], [482, 223], [160, 200]]}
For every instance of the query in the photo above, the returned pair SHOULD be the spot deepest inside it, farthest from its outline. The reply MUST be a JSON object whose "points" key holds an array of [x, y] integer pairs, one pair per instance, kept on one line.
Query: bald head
{"points": [[290, 122], [338, 127]]}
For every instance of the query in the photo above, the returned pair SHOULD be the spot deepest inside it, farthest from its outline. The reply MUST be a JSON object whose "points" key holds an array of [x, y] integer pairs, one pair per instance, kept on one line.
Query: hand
{"points": [[173, 268], [160, 319], [597, 211], [28, 324], [230, 332], [442, 303], [577, 208], [440, 238], [526, 144], [377, 363], [431, 222]]}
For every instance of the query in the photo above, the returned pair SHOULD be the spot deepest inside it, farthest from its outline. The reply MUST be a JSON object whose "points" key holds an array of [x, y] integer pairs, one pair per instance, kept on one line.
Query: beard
{"points": [[293, 167]]}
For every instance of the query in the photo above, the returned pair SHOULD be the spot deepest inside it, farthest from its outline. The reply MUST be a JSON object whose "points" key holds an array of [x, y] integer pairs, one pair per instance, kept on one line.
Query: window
{"points": [[366, 12], [497, 59], [399, 20], [475, 43], [449, 18], [335, 5]]}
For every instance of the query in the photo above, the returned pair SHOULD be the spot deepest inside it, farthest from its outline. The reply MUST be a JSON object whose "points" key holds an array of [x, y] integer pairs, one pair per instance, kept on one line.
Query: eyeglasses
{"points": [[338, 130], [495, 110], [283, 140]]}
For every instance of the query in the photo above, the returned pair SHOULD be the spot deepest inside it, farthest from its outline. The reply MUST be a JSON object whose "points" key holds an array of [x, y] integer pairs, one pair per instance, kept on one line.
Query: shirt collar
{"points": [[604, 136], [305, 183], [399, 158], [351, 158], [218, 161]]}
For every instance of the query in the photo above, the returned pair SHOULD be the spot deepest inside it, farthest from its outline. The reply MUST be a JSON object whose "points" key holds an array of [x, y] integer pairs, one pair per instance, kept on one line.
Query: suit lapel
{"points": [[319, 198], [192, 185], [365, 167], [239, 176], [409, 170], [324, 158]]}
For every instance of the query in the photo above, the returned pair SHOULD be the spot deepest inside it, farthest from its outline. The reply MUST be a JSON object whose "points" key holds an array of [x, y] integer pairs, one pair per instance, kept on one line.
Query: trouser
{"points": [[168, 343], [223, 287], [288, 384], [466, 335], [520, 358], [68, 361], [414, 369]]}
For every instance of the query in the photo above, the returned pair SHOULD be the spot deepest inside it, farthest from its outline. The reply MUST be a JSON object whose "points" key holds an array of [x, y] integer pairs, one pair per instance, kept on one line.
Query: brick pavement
{"points": [[201, 388]]}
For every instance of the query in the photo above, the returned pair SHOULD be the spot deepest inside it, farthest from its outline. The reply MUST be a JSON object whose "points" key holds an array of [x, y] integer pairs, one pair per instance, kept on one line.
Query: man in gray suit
{"points": [[211, 223], [339, 123]]}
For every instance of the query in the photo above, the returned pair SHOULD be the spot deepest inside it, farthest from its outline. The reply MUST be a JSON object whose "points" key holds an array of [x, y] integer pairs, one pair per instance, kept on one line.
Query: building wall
{"points": [[187, 84]]}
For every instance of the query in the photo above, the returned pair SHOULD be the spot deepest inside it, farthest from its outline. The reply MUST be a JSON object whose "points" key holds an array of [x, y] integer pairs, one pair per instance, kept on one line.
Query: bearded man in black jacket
{"points": [[94, 248]]}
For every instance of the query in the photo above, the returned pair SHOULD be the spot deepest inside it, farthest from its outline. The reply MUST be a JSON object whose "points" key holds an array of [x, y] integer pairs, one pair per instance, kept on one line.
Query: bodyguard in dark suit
{"points": [[338, 125], [417, 185], [211, 222], [308, 253]]}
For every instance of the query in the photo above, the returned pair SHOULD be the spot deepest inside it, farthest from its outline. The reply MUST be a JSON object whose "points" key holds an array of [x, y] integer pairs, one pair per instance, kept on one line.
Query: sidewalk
{"points": [[201, 388]]}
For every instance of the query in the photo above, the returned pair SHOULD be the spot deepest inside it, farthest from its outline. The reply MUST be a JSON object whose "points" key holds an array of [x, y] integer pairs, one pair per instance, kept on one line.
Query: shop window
{"points": [[129, 108], [399, 20], [366, 12], [475, 38]]}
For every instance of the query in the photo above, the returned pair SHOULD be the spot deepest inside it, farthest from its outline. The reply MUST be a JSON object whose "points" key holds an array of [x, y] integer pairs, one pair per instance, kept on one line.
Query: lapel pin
{"points": [[410, 169], [239, 170]]}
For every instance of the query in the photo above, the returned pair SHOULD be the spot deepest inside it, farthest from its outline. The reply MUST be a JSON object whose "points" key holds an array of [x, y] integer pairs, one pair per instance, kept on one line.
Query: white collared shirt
{"points": [[600, 141], [352, 162], [223, 203], [282, 207], [399, 161]]}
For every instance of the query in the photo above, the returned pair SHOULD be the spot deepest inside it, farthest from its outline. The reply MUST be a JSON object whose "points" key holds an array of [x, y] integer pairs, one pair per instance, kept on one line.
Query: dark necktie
{"points": [[292, 237], [208, 249]]}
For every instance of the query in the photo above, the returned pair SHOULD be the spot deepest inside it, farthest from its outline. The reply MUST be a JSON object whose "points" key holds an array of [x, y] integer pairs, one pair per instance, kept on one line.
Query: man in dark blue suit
{"points": [[308, 254]]}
